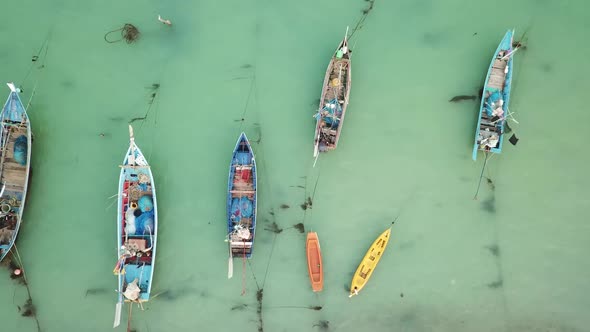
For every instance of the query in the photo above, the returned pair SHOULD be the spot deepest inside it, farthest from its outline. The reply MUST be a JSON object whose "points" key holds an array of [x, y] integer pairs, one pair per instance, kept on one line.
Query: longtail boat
{"points": [[314, 262], [369, 263], [137, 229], [241, 202], [334, 100], [15, 163], [489, 133]]}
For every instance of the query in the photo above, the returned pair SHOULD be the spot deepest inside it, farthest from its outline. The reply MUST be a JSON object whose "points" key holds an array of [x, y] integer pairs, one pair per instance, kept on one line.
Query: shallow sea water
{"points": [[513, 260]]}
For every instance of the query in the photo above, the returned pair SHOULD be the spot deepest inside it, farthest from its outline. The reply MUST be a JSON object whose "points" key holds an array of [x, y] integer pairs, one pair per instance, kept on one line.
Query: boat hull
{"points": [[489, 133], [369, 263], [314, 262], [15, 164], [333, 101], [242, 200], [137, 227]]}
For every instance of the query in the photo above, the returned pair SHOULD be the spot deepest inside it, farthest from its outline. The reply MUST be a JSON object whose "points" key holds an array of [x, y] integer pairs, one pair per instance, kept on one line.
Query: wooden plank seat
{"points": [[241, 244], [328, 131], [238, 195], [240, 184], [242, 191], [135, 167], [246, 222], [500, 64]]}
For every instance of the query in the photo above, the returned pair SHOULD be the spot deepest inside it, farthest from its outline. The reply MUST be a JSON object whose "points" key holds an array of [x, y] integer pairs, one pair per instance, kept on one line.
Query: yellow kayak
{"points": [[367, 266]]}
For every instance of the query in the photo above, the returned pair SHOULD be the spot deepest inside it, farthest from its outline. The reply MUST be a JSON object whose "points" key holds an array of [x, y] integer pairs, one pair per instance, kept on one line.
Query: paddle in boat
{"points": [[334, 100], [15, 162], [369, 263], [493, 112], [314, 262], [241, 202], [137, 227]]}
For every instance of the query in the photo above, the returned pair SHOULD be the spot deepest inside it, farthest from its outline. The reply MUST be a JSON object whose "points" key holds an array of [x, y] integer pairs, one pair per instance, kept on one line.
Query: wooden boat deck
{"points": [[13, 174], [488, 126], [498, 76], [338, 69]]}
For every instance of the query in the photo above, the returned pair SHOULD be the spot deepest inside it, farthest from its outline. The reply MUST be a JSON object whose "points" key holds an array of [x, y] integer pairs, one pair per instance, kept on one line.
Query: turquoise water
{"points": [[513, 260]]}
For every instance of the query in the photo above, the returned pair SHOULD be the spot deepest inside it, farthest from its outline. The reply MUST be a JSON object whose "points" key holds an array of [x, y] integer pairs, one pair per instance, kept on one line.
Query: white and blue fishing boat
{"points": [[334, 99], [241, 202], [15, 163], [137, 229], [493, 112]]}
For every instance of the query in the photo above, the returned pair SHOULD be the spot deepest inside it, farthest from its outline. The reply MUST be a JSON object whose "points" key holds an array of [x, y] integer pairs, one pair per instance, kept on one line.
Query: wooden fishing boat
{"points": [[15, 163], [137, 229], [489, 133], [369, 263], [241, 202], [334, 100], [314, 262]]}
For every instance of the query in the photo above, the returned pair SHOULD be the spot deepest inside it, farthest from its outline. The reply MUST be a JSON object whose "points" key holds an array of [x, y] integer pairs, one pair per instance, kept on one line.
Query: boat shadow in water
{"points": [[460, 98], [97, 291], [175, 294]]}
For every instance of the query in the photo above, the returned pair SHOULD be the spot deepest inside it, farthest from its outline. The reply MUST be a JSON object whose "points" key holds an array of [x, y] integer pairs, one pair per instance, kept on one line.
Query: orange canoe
{"points": [[314, 262]]}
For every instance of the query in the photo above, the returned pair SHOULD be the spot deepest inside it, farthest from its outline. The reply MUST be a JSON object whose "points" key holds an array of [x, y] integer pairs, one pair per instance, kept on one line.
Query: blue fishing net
{"points": [[243, 158], [145, 203], [144, 224], [246, 207], [20, 150], [242, 208], [494, 100], [235, 207], [334, 109]]}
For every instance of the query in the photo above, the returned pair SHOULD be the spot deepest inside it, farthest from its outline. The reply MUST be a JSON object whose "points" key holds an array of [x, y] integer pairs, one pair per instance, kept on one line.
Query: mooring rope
{"points": [[129, 33]]}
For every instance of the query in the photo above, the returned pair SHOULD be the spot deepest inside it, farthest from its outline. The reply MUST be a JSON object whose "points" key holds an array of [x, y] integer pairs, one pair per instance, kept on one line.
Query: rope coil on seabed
{"points": [[129, 33]]}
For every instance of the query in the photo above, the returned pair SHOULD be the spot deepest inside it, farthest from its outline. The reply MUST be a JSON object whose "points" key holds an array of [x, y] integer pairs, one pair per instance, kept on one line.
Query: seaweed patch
{"points": [[308, 204], [310, 307], [274, 228], [259, 295], [239, 307], [490, 183], [496, 284], [367, 10], [14, 264], [489, 205], [494, 249], [300, 227], [152, 96], [323, 325]]}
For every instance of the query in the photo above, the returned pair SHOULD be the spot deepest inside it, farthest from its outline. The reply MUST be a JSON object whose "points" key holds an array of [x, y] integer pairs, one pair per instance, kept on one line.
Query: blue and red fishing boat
{"points": [[241, 202]]}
